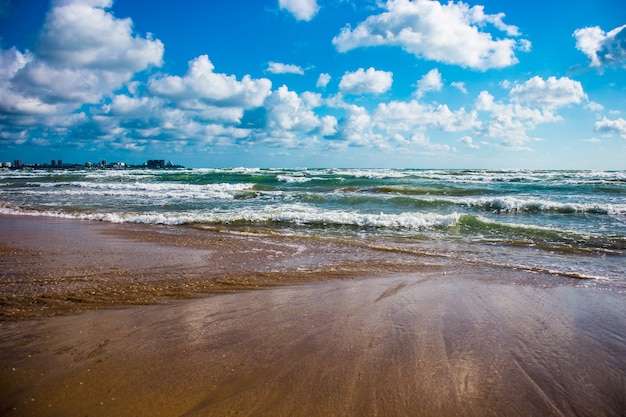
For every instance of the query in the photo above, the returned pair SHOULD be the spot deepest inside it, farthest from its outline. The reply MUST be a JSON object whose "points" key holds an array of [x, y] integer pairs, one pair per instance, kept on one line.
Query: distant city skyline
{"points": [[103, 163], [316, 83]]}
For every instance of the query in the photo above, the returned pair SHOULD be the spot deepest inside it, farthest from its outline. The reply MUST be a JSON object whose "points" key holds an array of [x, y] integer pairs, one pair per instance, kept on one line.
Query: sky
{"points": [[479, 84]]}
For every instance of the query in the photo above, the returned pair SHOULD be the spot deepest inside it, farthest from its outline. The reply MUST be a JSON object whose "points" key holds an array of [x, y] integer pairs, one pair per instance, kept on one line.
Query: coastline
{"points": [[139, 331], [51, 266]]}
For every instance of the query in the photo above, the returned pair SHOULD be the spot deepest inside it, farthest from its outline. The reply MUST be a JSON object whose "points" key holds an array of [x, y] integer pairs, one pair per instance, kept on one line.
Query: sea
{"points": [[569, 223]]}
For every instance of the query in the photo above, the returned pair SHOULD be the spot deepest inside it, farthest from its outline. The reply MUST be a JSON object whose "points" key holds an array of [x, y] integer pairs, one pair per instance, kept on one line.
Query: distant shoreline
{"points": [[62, 266], [95, 166]]}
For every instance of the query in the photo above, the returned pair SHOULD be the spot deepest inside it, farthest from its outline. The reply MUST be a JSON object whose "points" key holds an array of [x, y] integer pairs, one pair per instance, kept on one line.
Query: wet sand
{"points": [[337, 330]]}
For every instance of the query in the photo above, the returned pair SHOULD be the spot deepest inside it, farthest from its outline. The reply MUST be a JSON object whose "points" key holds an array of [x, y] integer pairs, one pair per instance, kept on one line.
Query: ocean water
{"points": [[571, 223]]}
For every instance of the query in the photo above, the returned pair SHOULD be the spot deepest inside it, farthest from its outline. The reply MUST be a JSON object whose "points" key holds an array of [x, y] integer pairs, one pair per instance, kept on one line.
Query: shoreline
{"points": [[161, 321], [51, 266]]}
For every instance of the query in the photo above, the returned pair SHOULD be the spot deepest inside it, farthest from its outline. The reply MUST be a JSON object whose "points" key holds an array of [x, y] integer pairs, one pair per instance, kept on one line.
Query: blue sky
{"points": [[315, 83]]}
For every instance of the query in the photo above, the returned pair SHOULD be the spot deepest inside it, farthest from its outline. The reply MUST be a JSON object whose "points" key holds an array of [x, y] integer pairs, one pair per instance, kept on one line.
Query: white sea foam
{"points": [[294, 178], [295, 214], [373, 173], [145, 190], [516, 204]]}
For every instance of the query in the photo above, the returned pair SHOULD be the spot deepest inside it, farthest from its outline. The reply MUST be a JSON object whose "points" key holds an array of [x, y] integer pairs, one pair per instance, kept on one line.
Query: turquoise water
{"points": [[566, 222]]}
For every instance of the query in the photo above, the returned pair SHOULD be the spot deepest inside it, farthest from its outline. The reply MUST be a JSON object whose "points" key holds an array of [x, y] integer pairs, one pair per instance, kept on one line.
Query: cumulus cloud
{"points": [[355, 126], [429, 82], [421, 140], [127, 106], [459, 85], [83, 54], [609, 127], [469, 142], [329, 126], [362, 81], [451, 33], [603, 49], [323, 80], [550, 93], [593, 106], [404, 123], [280, 68], [300, 9], [202, 84], [79, 83], [403, 116], [511, 121], [13, 101], [85, 35], [289, 114], [150, 120]]}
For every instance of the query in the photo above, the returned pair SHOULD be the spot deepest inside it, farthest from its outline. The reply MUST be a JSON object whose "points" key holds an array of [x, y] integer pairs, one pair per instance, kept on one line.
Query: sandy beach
{"points": [[100, 319]]}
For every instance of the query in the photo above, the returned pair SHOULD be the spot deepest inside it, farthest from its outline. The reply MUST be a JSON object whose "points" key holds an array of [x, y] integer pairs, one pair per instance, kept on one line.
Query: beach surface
{"points": [[101, 319]]}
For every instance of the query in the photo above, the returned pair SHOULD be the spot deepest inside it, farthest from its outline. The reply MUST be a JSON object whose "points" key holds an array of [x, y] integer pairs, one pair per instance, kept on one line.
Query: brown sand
{"points": [[432, 338]]}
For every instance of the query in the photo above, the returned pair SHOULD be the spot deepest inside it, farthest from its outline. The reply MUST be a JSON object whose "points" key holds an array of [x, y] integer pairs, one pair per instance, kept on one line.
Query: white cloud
{"points": [[123, 105], [404, 123], [66, 85], [609, 127], [401, 116], [550, 93], [355, 127], [602, 48], [450, 33], [593, 106], [300, 9], [12, 99], [149, 120], [201, 107], [202, 84], [279, 68], [429, 82], [311, 100], [323, 80], [82, 54], [469, 142], [459, 85], [329, 126], [511, 121], [291, 121], [370, 81], [12, 61], [78, 34], [288, 111], [420, 140]]}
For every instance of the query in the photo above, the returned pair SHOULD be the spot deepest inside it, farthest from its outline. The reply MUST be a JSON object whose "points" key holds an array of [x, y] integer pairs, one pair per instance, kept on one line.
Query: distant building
{"points": [[156, 163]]}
